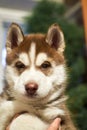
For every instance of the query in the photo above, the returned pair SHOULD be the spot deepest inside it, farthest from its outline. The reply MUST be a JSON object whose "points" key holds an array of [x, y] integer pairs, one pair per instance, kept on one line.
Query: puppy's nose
{"points": [[31, 88]]}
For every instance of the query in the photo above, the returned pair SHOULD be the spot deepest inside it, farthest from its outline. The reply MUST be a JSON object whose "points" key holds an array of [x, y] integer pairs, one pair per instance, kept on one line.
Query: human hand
{"points": [[55, 125]]}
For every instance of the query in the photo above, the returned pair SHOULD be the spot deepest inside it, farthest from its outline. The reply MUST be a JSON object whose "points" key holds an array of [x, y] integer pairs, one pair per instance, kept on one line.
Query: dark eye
{"points": [[46, 65], [20, 65]]}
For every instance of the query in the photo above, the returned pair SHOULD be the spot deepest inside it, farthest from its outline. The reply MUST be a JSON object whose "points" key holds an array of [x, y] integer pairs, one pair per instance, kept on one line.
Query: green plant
{"points": [[77, 103]]}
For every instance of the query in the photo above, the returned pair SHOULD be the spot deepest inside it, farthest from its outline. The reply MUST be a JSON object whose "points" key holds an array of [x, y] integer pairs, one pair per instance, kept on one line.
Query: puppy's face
{"points": [[35, 63]]}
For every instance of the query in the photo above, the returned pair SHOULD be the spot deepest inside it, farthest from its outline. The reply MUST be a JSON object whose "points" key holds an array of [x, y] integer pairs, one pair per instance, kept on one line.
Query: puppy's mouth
{"points": [[31, 95], [36, 96]]}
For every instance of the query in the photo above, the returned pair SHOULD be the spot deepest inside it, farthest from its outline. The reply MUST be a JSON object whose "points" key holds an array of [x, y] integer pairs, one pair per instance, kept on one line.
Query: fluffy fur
{"points": [[35, 59]]}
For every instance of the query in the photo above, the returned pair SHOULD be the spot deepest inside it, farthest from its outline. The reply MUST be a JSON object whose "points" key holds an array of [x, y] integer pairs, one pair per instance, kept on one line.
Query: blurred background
{"points": [[37, 16]]}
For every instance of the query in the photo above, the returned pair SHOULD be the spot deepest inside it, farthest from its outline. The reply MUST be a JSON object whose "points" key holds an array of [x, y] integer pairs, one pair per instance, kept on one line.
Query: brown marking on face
{"points": [[41, 47]]}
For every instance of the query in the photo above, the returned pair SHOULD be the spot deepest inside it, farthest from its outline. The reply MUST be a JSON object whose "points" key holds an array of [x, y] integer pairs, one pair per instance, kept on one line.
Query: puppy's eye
{"points": [[46, 65], [19, 65]]}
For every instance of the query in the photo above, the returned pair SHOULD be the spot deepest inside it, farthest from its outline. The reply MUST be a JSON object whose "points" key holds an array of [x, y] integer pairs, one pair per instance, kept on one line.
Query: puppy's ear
{"points": [[14, 37], [55, 38]]}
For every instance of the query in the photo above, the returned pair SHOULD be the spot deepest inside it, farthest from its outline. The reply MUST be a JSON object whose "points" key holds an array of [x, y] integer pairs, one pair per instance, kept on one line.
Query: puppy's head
{"points": [[35, 63]]}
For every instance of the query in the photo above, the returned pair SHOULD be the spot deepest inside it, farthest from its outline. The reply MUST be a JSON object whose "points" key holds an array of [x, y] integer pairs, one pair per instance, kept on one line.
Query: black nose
{"points": [[31, 88]]}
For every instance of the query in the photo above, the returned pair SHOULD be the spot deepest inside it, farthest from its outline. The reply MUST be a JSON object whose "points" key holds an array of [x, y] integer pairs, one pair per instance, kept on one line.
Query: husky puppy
{"points": [[35, 79]]}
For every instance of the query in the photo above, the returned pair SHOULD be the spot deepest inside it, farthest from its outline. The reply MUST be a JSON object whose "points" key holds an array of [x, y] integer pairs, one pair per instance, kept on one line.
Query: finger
{"points": [[59, 128], [55, 125]]}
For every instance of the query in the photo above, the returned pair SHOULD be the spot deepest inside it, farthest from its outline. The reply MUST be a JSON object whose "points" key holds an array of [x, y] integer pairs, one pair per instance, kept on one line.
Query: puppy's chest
{"points": [[45, 113]]}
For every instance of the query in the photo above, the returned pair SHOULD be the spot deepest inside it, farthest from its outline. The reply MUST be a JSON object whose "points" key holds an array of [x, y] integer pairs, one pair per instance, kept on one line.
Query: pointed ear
{"points": [[14, 37], [55, 38]]}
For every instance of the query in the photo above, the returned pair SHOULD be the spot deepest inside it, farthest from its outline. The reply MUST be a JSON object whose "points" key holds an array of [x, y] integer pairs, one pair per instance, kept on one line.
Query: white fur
{"points": [[41, 57], [56, 94], [32, 123], [45, 83], [52, 112], [6, 112], [32, 53], [35, 76], [10, 76], [46, 86], [59, 75], [23, 57], [9, 108]]}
